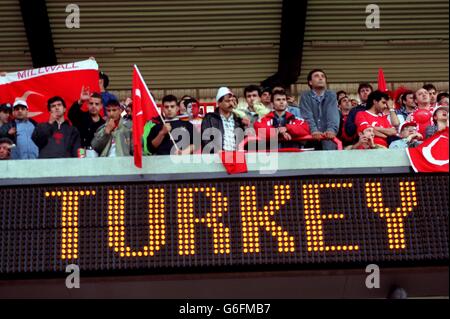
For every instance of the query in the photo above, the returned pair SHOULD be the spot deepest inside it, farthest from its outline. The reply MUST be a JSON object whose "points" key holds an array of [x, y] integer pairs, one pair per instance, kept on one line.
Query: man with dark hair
{"points": [[433, 93], [266, 97], [255, 108], [408, 106], [364, 90], [113, 139], [103, 81], [57, 138], [340, 95], [20, 131], [293, 107], [5, 148], [442, 99], [282, 124], [222, 129], [319, 108], [88, 122], [159, 141], [377, 102], [5, 114], [345, 106]]}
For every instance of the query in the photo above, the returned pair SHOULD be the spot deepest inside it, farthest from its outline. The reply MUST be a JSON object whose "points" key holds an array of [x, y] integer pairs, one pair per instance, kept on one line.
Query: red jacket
{"points": [[295, 127]]}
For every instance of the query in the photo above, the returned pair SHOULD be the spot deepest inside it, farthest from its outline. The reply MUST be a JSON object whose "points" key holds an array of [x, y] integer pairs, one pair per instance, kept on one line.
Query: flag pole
{"points": [[159, 113]]}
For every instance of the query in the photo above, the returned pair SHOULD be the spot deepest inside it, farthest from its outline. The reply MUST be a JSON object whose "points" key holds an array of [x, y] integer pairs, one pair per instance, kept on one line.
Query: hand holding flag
{"points": [[144, 109]]}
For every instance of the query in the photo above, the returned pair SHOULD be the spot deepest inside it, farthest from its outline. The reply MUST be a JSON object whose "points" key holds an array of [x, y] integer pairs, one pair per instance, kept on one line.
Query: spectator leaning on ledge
{"points": [[20, 131], [366, 135], [292, 108], [57, 138], [222, 129], [282, 124], [88, 122], [319, 108], [113, 139], [409, 136]]}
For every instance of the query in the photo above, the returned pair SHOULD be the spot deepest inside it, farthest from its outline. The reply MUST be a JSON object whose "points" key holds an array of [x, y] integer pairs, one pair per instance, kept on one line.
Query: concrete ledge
{"points": [[160, 168]]}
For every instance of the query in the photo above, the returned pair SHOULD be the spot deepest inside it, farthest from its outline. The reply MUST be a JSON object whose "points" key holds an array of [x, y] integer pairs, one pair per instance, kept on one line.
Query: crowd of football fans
{"points": [[98, 124]]}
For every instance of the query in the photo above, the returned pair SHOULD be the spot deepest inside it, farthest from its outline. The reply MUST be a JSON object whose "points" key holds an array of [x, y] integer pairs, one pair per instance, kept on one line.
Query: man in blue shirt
{"points": [[319, 108], [20, 131]]}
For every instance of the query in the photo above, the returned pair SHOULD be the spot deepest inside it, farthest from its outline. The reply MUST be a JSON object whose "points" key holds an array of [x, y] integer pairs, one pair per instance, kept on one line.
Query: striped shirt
{"points": [[229, 141]]}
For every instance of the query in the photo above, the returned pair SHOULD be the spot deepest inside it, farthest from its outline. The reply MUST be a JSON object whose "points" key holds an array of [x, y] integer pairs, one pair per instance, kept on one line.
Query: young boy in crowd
{"points": [[281, 123], [409, 136], [5, 148], [366, 134], [159, 141]]}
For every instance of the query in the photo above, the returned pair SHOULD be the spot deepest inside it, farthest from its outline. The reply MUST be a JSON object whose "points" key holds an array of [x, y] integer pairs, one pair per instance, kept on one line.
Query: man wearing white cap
{"points": [[20, 131], [440, 120], [222, 129], [409, 136]]}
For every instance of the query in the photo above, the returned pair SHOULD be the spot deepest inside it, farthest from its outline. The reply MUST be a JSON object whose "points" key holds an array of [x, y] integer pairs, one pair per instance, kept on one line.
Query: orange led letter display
{"points": [[187, 221], [314, 218], [116, 223], [69, 220], [394, 219], [254, 219]]}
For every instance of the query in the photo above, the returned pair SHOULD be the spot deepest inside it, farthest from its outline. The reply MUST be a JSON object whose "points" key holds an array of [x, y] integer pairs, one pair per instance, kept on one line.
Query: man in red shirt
{"points": [[424, 113], [377, 102], [282, 124]]}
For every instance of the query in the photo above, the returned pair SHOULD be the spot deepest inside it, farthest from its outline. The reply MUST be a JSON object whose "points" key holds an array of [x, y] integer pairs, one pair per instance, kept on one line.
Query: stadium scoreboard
{"points": [[209, 225]]}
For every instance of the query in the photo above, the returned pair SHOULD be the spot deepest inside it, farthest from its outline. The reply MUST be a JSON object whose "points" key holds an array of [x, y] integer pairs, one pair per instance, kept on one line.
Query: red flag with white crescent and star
{"points": [[36, 86], [144, 109], [432, 155]]}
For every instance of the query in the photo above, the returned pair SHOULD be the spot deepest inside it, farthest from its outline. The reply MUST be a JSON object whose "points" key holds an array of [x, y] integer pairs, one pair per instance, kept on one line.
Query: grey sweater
{"points": [[323, 117]]}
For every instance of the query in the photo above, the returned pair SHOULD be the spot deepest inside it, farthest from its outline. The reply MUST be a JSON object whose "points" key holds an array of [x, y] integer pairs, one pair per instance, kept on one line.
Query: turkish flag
{"points": [[431, 155], [144, 109], [36, 86], [234, 162], [381, 81]]}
